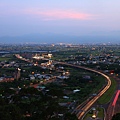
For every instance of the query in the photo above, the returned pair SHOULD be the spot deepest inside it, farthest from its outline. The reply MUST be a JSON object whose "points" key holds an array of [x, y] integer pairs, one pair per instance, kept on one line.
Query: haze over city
{"points": [[70, 21]]}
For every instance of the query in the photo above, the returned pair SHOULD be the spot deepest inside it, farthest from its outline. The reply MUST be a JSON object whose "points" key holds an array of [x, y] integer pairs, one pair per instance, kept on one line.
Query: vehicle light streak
{"points": [[116, 97]]}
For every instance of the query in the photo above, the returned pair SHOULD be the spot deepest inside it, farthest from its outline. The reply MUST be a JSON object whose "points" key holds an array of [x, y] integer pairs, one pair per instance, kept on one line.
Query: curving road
{"points": [[92, 101]]}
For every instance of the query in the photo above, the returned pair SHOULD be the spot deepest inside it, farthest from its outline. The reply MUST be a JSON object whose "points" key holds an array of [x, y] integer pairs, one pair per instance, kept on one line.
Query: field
{"points": [[108, 95]]}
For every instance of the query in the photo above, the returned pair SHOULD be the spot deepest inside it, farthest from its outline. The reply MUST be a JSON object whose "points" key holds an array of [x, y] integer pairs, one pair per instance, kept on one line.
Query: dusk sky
{"points": [[68, 17]]}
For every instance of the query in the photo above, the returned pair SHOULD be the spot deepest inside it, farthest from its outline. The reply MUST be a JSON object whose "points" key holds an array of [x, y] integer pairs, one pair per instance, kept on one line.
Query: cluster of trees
{"points": [[31, 104], [9, 111]]}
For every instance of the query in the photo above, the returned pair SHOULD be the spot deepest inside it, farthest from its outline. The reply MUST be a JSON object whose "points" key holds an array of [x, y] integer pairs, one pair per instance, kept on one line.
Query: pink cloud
{"points": [[59, 14]]}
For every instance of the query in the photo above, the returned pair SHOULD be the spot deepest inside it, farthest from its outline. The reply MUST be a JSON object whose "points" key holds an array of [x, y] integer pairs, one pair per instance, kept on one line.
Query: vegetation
{"points": [[108, 95], [100, 113], [56, 101], [116, 117]]}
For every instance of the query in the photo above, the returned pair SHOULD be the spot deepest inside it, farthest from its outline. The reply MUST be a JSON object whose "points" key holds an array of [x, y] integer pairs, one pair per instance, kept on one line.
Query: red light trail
{"points": [[116, 98]]}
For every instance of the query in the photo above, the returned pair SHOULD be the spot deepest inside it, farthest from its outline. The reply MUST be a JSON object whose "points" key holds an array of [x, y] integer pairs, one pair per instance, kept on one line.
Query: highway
{"points": [[92, 101]]}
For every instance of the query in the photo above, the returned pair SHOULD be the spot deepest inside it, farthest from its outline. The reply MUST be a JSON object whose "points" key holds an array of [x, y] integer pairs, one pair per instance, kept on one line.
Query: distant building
{"points": [[32, 78], [17, 74], [87, 77], [7, 79]]}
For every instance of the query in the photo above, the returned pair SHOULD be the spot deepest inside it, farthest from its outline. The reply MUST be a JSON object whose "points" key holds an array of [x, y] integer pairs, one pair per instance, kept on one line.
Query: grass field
{"points": [[4, 58], [108, 95], [100, 85]]}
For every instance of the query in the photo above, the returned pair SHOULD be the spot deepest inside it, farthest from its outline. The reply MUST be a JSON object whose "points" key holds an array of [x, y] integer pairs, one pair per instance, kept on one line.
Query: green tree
{"points": [[29, 90], [10, 112]]}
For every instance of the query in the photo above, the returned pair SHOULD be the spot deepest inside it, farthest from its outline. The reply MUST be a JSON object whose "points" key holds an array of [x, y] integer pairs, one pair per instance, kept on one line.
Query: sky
{"points": [[68, 17]]}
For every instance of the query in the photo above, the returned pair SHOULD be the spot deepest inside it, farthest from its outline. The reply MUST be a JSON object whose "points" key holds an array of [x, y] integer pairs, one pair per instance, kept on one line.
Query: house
{"points": [[62, 77], [65, 97], [7, 79], [87, 77], [41, 76], [1, 78], [32, 78], [77, 90]]}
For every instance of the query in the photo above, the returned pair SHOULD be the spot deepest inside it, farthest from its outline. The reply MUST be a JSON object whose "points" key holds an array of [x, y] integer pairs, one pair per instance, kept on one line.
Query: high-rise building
{"points": [[17, 73]]}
